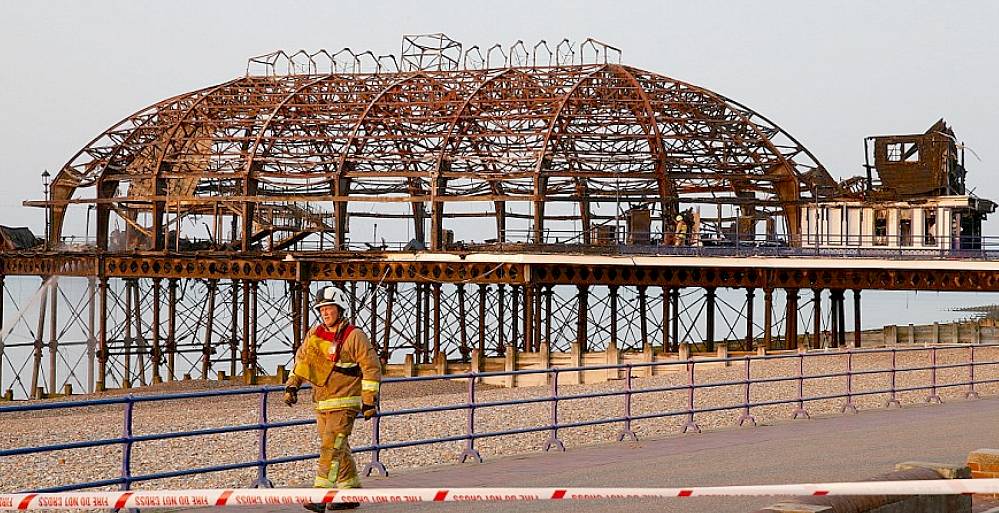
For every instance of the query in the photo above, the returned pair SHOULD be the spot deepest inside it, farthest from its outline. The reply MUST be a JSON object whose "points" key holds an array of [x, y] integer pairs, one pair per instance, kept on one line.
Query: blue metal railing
{"points": [[263, 425]]}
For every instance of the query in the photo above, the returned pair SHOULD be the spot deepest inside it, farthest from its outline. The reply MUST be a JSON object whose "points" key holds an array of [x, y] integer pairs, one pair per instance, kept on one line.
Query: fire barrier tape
{"points": [[148, 499]]}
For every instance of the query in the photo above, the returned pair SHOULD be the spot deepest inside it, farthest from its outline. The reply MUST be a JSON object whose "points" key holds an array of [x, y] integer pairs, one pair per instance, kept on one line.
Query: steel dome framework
{"points": [[512, 152], [286, 157]]}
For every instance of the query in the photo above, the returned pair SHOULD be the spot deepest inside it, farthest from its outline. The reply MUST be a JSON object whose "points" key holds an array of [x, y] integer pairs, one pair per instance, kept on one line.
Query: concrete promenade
{"points": [[839, 448]]}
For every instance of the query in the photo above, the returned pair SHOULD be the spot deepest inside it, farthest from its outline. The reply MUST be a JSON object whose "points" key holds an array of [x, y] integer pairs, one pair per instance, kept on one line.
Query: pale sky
{"points": [[830, 73]]}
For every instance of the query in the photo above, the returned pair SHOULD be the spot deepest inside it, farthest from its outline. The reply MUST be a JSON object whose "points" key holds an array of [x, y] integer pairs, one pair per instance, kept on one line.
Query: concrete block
{"points": [[761, 351], [936, 333], [575, 360], [613, 357], [912, 334], [440, 364], [684, 351], [946, 471]]}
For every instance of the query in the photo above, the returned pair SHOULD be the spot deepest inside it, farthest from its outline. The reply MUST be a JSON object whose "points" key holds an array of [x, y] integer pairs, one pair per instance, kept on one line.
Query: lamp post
{"points": [[48, 217]]}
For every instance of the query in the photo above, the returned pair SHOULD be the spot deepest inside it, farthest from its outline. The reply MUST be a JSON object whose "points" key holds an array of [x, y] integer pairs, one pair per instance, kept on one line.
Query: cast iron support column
{"points": [[791, 337], [462, 324], [548, 315], [244, 356], [437, 320], [482, 319], [207, 350], [373, 321], [102, 354], [582, 315], [817, 318], [171, 343], [53, 334], [750, 297], [613, 312], [157, 353], [768, 317], [710, 320], [676, 319], [643, 320], [418, 345], [501, 320], [126, 377], [91, 321], [665, 324], [234, 343], [856, 317], [515, 315], [841, 314], [296, 314], [387, 332], [528, 317]]}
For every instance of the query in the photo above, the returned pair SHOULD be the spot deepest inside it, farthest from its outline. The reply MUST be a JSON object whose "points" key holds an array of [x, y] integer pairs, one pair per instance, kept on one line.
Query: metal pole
{"points": [[418, 349], [140, 339], [665, 325], [582, 315], [102, 355], [676, 319], [515, 315], [613, 312], [1, 333], [768, 315], [792, 319], [856, 317], [157, 356], [172, 329], [207, 350], [91, 340], [710, 319], [462, 323], [841, 314], [244, 357], [816, 318], [387, 332], [126, 378], [437, 319], [482, 320], [373, 321], [548, 314], [528, 318], [643, 320], [53, 334], [37, 363], [501, 336], [233, 331], [750, 338]]}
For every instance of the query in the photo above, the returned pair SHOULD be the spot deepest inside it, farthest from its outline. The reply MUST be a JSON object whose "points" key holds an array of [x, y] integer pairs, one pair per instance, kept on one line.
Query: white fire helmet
{"points": [[330, 295]]}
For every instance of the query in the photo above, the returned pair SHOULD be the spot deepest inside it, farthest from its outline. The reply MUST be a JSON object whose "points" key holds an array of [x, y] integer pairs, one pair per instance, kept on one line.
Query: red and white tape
{"points": [[149, 499]]}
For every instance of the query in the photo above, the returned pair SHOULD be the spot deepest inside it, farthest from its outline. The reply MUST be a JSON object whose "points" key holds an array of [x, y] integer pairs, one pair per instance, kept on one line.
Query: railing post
{"points": [[934, 397], [800, 410], [971, 376], [470, 451], [627, 432], [553, 440], [375, 465], [893, 400], [745, 397], [262, 481], [690, 424], [849, 406]]}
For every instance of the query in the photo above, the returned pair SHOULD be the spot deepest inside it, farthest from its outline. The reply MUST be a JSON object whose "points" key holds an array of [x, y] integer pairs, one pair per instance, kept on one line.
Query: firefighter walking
{"points": [[345, 372]]}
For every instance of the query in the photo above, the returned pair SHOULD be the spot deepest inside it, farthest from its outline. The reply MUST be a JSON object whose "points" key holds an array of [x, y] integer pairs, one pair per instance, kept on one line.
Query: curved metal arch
{"points": [[157, 168], [467, 103], [656, 141], [367, 110], [248, 168]]}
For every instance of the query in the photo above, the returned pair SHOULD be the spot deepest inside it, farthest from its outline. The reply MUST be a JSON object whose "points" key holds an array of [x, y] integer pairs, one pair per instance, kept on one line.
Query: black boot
{"points": [[316, 507], [336, 506]]}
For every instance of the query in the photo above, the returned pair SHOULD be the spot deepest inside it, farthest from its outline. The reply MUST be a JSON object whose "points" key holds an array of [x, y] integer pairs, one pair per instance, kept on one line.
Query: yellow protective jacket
{"points": [[342, 366]]}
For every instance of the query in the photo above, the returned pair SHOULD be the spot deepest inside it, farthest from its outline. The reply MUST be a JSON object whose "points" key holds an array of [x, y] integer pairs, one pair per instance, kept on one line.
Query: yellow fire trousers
{"points": [[337, 468]]}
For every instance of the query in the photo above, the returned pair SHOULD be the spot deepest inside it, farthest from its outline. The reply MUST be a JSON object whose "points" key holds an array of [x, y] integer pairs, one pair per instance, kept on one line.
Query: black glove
{"points": [[369, 411], [290, 395]]}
